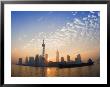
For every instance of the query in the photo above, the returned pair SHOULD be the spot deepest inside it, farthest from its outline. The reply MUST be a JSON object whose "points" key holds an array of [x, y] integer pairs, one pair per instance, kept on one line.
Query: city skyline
{"points": [[69, 32], [42, 60]]}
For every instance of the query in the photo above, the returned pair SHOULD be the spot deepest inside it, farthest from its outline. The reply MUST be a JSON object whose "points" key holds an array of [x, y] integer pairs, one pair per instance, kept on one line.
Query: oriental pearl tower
{"points": [[43, 52]]}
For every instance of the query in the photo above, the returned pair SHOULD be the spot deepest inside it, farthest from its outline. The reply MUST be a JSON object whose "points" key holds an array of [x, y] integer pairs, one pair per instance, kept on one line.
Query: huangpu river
{"points": [[28, 71]]}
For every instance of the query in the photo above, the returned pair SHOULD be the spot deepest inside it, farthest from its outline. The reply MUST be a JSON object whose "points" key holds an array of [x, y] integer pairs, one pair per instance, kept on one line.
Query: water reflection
{"points": [[28, 71]]}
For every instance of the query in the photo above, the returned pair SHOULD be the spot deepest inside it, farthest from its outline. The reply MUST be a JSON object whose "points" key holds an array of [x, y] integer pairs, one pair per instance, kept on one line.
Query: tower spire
{"points": [[43, 45]]}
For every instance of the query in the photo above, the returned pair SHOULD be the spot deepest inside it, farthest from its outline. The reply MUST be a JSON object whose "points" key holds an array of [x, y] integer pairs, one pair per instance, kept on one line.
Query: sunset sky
{"points": [[69, 32]]}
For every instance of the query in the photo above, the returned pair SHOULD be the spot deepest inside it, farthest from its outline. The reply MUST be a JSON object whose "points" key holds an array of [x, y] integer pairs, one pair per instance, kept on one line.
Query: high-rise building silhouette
{"points": [[41, 61], [57, 56], [36, 60], [62, 59], [20, 61], [46, 57], [31, 61], [68, 58], [26, 61], [43, 52], [78, 59]]}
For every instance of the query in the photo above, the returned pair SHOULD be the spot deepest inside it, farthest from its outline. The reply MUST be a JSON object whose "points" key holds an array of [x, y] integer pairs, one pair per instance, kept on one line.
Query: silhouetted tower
{"points": [[31, 61], [79, 57], [57, 56], [20, 61], [26, 61], [36, 60], [68, 58], [43, 52], [46, 59], [62, 59]]}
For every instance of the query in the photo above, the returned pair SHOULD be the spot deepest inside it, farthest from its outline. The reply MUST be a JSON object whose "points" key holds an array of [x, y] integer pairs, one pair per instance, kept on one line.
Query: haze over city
{"points": [[69, 32]]}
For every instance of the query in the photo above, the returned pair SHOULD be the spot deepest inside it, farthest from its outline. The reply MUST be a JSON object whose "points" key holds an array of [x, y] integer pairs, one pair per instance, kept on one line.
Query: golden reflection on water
{"points": [[28, 71]]}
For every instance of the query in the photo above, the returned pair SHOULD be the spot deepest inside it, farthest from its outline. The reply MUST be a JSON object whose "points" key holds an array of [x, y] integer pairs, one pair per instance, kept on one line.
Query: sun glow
{"points": [[70, 33]]}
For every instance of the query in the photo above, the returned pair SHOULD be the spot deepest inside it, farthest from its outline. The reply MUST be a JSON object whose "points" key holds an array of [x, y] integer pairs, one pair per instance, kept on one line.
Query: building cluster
{"points": [[38, 60], [42, 60]]}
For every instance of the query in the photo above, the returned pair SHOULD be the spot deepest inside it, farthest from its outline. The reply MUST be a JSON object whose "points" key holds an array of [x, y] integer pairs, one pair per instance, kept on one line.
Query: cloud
{"points": [[89, 16], [98, 13], [74, 13], [85, 18], [92, 12], [83, 30]]}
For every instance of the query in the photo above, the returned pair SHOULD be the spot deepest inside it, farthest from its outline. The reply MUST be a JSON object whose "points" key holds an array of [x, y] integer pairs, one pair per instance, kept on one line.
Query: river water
{"points": [[28, 71]]}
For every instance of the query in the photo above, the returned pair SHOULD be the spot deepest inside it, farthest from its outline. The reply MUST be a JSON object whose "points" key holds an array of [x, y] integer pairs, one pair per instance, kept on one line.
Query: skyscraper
{"points": [[20, 61], [41, 61], [46, 59], [78, 59], [68, 58], [57, 56], [37, 60], [62, 59], [31, 61], [43, 52], [26, 61]]}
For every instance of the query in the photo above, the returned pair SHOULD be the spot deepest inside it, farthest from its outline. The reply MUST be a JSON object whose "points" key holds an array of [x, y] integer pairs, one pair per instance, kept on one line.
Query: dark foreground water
{"points": [[28, 71]]}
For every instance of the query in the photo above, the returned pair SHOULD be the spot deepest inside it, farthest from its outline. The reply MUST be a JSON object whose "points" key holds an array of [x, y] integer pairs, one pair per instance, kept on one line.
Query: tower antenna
{"points": [[43, 45]]}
